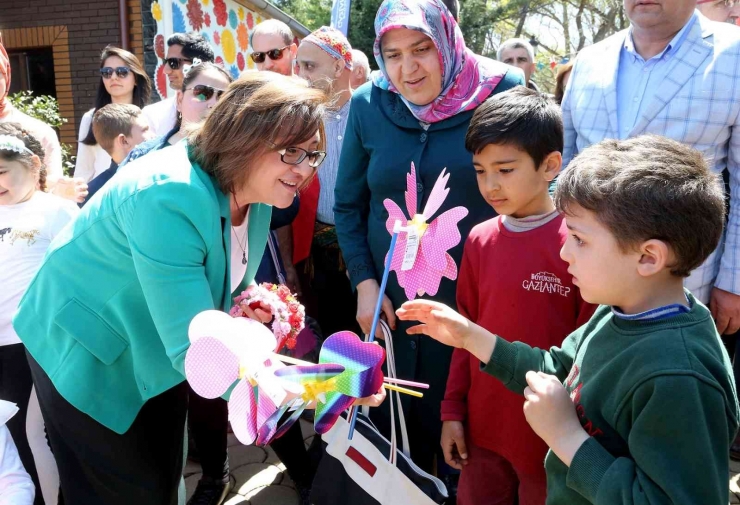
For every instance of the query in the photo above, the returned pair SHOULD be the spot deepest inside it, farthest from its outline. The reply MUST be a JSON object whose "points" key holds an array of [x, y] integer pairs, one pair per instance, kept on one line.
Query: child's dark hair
{"points": [[113, 120], [194, 45], [31, 143], [645, 188], [519, 117]]}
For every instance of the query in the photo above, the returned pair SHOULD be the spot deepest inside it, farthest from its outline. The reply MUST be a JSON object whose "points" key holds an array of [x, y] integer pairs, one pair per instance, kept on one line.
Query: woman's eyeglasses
{"points": [[295, 155], [175, 63], [273, 54], [203, 93], [107, 72]]}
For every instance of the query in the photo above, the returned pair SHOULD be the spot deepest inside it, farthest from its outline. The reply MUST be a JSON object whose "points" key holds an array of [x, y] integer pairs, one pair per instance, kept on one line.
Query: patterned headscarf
{"points": [[5, 69], [334, 43], [467, 79]]}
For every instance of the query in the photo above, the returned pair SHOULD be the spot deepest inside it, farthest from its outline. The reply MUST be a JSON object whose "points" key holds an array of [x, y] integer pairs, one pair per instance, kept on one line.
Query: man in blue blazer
{"points": [[677, 74]]}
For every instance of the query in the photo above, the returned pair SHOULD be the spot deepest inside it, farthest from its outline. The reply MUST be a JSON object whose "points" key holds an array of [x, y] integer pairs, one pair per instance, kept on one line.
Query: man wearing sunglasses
{"points": [[182, 49], [273, 47]]}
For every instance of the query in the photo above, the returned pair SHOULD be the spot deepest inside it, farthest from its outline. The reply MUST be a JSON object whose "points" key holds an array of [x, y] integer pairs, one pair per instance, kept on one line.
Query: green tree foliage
{"points": [[45, 108]]}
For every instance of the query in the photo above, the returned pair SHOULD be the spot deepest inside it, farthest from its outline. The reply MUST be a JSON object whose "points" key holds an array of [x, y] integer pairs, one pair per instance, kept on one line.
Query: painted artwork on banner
{"points": [[226, 25]]}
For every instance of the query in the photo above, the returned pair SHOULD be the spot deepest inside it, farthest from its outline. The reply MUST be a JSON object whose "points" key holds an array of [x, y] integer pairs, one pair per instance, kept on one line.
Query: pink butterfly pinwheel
{"points": [[226, 350], [420, 258]]}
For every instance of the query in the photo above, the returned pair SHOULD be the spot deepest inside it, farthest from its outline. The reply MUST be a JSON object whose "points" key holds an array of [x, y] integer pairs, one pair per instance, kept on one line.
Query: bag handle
{"points": [[275, 259], [391, 365]]}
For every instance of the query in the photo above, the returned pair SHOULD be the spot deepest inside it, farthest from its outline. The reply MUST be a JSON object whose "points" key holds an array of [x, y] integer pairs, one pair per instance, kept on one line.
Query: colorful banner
{"points": [[340, 15]]}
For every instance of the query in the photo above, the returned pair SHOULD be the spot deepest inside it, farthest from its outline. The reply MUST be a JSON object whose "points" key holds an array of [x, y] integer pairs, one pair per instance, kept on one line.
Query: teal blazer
{"points": [[107, 314]]}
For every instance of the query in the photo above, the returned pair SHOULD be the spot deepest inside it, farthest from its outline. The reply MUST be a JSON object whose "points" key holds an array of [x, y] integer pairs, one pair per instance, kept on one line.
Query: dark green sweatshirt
{"points": [[658, 399]]}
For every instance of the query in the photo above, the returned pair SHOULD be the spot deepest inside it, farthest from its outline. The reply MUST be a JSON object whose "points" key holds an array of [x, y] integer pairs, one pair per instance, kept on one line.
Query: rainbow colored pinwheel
{"points": [[420, 258]]}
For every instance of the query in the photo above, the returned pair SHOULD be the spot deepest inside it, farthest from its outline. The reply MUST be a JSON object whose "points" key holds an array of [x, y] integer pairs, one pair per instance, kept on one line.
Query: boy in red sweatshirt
{"points": [[512, 282]]}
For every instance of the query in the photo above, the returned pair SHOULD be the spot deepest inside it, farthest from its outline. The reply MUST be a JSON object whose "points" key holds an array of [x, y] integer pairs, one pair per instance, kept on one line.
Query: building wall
{"points": [[226, 24], [77, 30]]}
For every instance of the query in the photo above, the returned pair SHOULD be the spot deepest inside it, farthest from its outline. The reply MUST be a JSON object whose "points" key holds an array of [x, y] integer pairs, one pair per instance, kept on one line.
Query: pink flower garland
{"points": [[289, 315]]}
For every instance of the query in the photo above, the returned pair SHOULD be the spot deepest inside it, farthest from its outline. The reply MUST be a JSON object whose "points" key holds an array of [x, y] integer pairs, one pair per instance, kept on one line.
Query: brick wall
{"points": [[86, 26]]}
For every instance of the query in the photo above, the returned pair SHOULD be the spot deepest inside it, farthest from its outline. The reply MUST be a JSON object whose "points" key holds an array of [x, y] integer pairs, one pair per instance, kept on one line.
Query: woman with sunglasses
{"points": [[105, 322], [122, 80], [202, 85]]}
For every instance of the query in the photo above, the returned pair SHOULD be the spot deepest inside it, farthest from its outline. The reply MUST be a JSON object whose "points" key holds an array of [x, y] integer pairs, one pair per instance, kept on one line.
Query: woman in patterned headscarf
{"points": [[416, 109], [56, 182]]}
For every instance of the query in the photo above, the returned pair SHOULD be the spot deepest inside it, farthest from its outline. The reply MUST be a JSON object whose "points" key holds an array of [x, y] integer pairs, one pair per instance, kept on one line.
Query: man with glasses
{"points": [[273, 48], [182, 49]]}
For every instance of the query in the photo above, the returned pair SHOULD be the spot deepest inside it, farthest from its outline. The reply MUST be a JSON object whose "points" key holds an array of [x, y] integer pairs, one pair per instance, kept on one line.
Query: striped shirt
{"points": [[335, 122]]}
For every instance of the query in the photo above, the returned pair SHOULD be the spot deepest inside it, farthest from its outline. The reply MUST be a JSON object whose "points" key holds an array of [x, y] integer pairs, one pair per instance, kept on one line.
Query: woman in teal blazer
{"points": [[416, 109], [105, 321]]}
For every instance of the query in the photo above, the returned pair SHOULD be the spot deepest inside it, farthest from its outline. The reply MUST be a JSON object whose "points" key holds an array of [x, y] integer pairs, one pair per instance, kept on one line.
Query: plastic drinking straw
{"points": [[404, 390], [402, 382], [378, 305]]}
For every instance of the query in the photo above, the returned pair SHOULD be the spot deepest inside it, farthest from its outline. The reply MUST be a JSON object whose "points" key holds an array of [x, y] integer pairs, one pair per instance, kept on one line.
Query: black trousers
{"points": [[208, 420], [100, 467], [15, 386]]}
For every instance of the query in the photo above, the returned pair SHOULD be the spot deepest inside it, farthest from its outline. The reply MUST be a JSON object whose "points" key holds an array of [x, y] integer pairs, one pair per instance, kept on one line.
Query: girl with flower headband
{"points": [[29, 220], [51, 150], [122, 80]]}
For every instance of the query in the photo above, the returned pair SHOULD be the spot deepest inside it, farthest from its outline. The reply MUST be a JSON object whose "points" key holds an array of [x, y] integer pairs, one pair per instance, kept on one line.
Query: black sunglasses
{"points": [[295, 155], [107, 72], [274, 54], [175, 63], [204, 93]]}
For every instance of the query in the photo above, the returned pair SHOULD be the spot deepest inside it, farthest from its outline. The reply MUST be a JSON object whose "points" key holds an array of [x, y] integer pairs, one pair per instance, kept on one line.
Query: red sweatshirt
{"points": [[513, 284]]}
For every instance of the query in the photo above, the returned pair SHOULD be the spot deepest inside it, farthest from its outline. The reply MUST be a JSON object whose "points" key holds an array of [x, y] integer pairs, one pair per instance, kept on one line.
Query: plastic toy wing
{"points": [[420, 258]]}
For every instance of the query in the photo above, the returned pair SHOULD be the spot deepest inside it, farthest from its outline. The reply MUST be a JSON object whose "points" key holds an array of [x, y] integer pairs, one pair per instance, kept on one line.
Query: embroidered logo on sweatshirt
{"points": [[545, 282], [574, 386]]}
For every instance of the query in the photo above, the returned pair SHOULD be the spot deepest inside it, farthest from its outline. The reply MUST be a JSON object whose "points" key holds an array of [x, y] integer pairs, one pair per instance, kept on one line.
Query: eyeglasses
{"points": [[203, 93], [274, 54], [175, 63], [107, 72], [727, 4], [295, 155]]}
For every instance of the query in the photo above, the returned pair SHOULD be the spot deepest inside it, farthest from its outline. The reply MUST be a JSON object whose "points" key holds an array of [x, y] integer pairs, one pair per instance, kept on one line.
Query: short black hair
{"points": [[194, 45], [521, 117]]}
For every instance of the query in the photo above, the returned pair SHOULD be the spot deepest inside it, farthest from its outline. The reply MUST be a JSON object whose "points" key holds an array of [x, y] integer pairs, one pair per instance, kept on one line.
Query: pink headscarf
{"points": [[5, 69], [467, 79]]}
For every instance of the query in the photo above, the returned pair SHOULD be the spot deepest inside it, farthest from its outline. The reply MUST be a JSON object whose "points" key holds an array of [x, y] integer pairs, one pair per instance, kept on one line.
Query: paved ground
{"points": [[260, 478]]}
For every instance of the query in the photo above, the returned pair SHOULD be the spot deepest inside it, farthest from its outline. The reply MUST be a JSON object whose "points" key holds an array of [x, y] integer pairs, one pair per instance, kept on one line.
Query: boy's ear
{"points": [[550, 167], [338, 68], [655, 255], [121, 141]]}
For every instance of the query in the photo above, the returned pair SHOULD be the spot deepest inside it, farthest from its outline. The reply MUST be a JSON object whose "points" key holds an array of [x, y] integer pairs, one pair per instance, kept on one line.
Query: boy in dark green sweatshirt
{"points": [[638, 406]]}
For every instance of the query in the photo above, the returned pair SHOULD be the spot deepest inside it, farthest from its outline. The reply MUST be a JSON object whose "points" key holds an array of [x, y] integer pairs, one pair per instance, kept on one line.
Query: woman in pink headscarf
{"points": [[56, 182]]}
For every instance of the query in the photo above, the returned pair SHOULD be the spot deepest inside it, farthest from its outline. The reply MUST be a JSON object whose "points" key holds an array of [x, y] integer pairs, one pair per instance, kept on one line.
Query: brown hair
{"points": [[142, 88], [563, 71], [645, 188], [260, 112], [113, 120], [32, 144]]}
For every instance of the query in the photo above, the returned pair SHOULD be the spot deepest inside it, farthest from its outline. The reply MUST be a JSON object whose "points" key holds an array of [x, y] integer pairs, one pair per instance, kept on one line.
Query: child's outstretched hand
{"points": [[453, 444], [552, 415], [437, 320]]}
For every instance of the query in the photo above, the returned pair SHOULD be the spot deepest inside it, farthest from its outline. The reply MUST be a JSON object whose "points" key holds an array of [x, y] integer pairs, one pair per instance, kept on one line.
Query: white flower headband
{"points": [[11, 143], [187, 68]]}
